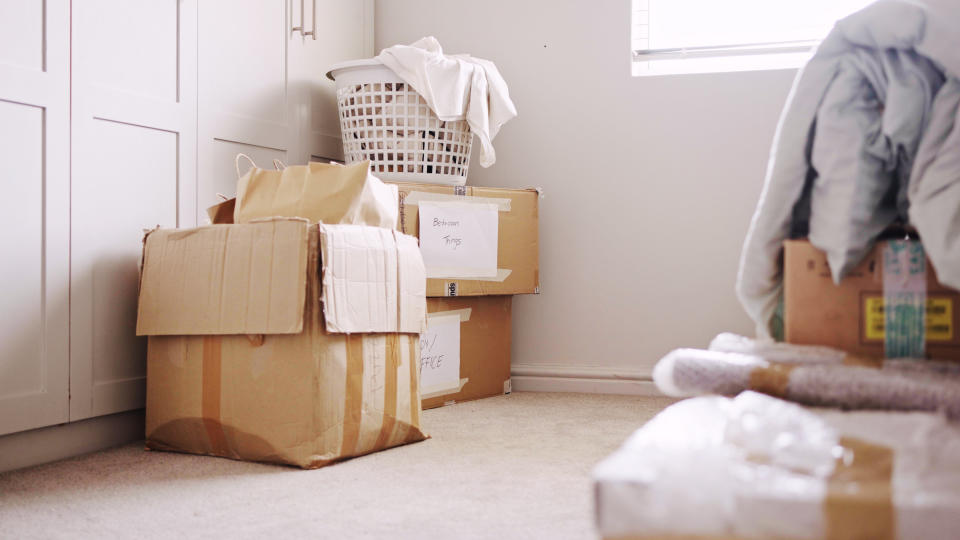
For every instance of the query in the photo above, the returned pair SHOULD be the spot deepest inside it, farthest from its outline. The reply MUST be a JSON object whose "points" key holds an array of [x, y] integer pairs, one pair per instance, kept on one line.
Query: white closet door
{"points": [[344, 31], [133, 168], [244, 103], [35, 205]]}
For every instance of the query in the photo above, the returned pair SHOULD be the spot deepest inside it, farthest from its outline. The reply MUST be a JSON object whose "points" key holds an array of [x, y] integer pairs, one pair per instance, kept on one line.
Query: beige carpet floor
{"points": [[514, 466]]}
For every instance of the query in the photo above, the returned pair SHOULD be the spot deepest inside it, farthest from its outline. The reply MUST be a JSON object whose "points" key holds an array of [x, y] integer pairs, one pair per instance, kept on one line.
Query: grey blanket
{"points": [[867, 138]]}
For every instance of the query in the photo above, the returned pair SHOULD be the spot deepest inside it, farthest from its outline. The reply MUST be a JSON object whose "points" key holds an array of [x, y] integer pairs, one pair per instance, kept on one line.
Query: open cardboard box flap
{"points": [[373, 280], [224, 279], [251, 278]]}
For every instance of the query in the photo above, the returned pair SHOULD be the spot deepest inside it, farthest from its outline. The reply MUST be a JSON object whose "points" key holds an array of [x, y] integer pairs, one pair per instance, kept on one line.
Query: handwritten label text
{"points": [[459, 239]]}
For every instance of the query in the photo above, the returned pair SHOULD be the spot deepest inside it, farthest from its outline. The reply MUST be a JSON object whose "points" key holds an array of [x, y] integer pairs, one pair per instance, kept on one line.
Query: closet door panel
{"points": [[344, 32], [21, 333], [35, 205], [133, 168], [243, 93], [135, 189], [243, 57], [22, 34], [137, 49], [27, 377]]}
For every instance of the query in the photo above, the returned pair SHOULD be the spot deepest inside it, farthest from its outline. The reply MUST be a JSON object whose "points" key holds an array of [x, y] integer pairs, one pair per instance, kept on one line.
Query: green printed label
{"points": [[939, 319], [905, 298]]}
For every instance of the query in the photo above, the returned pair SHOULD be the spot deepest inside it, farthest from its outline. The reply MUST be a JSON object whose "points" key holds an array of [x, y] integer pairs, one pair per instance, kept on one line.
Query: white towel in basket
{"points": [[455, 86]]}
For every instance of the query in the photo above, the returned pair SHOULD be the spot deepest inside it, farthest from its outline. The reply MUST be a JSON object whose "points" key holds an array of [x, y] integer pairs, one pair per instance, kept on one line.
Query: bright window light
{"points": [[684, 36]]}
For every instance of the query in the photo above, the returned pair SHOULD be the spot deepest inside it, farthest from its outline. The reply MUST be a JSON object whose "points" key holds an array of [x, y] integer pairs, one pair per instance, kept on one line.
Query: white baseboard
{"points": [[37, 446], [586, 379]]}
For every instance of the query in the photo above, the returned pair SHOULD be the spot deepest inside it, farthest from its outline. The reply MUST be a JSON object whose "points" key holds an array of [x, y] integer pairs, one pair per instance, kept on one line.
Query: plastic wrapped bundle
{"points": [[759, 467], [817, 376]]}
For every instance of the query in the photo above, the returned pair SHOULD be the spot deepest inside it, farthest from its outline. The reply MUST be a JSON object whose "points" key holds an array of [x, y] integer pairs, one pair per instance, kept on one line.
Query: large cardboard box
{"points": [[258, 352], [850, 316], [479, 329], [517, 265]]}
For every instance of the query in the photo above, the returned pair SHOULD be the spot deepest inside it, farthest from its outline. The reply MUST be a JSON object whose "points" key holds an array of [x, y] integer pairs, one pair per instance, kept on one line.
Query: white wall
{"points": [[649, 182]]}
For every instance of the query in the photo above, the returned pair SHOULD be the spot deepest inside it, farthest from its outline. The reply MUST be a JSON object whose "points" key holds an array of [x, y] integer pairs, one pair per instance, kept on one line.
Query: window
{"points": [[691, 36]]}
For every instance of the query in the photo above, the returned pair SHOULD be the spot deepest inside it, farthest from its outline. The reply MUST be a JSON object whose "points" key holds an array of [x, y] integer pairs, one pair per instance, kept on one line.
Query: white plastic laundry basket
{"points": [[384, 120]]}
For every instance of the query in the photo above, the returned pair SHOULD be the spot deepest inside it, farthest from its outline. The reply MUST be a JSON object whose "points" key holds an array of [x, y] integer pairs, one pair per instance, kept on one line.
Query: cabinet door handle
{"points": [[297, 28], [313, 30]]}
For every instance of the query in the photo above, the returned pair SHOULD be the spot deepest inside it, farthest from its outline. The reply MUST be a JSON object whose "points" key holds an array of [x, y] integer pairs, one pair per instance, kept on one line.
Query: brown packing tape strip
{"points": [[859, 500], [353, 404], [416, 197], [674, 537], [862, 361], [771, 380], [774, 378], [210, 394], [464, 314], [446, 391], [414, 390], [392, 359]]}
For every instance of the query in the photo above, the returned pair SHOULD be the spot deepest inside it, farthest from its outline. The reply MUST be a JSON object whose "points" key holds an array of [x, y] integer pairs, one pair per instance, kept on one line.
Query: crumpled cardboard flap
{"points": [[373, 280], [225, 279], [320, 192]]}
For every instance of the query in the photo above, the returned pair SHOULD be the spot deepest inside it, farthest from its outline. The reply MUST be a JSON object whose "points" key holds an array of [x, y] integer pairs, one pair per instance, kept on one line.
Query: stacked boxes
{"points": [[491, 239], [480, 245]]}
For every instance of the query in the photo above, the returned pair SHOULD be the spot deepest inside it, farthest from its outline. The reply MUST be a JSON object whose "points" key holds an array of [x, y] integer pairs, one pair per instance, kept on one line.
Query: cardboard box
{"points": [[483, 333], [249, 355], [518, 260], [851, 316]]}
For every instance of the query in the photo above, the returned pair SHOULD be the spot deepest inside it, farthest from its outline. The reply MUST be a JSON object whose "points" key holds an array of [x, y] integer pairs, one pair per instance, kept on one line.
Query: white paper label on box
{"points": [[459, 240], [440, 354]]}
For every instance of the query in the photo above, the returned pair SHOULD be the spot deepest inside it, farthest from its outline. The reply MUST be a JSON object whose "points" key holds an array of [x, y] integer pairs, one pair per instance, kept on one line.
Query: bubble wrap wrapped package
{"points": [[810, 375], [758, 467]]}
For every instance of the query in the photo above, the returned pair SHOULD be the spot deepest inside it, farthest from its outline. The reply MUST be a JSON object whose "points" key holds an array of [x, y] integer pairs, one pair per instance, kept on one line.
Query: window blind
{"points": [[671, 29]]}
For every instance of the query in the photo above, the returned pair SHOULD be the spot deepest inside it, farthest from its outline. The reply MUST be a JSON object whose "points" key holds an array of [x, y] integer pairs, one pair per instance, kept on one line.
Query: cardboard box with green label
{"points": [[852, 316]]}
